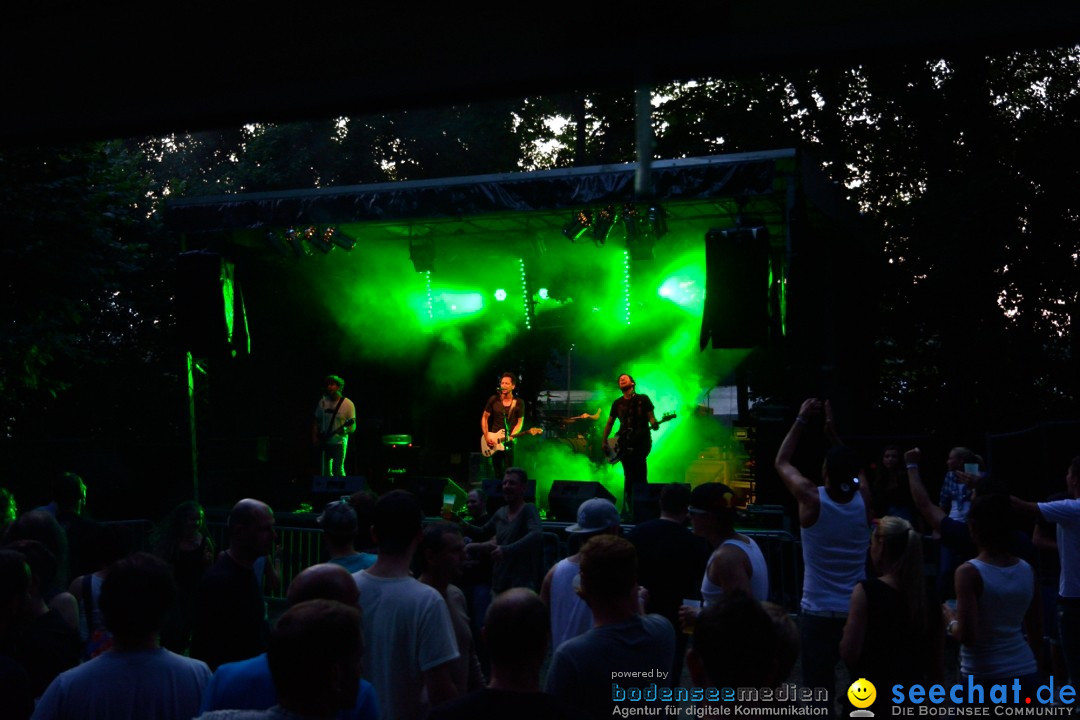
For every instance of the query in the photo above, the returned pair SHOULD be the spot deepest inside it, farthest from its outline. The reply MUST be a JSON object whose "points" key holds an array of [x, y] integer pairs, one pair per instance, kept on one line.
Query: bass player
{"points": [[335, 419]]}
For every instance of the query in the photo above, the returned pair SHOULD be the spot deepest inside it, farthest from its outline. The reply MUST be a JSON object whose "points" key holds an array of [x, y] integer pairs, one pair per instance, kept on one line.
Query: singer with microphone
{"points": [[503, 417]]}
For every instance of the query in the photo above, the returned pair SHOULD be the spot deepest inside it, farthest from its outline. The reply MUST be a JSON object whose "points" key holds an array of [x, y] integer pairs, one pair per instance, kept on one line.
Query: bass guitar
{"points": [[501, 442], [621, 444]]}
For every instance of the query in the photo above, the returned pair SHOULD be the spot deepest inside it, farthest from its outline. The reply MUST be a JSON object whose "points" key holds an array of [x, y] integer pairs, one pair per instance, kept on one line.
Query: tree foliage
{"points": [[962, 163], [80, 285]]}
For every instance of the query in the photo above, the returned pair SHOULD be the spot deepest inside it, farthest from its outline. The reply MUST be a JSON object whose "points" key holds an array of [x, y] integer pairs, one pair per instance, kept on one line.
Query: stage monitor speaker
{"points": [[434, 492], [566, 495], [337, 485], [736, 313], [646, 500]]}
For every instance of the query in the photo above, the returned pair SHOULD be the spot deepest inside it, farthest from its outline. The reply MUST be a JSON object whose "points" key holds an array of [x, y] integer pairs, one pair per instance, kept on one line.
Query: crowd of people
{"points": [[410, 618]]}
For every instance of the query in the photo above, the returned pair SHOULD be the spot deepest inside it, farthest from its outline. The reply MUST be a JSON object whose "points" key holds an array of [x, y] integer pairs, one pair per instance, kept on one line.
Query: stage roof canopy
{"points": [[760, 188]]}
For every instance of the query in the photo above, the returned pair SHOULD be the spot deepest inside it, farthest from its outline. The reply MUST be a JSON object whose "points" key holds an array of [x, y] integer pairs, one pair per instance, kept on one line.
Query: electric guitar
{"points": [[619, 446], [501, 443], [324, 437]]}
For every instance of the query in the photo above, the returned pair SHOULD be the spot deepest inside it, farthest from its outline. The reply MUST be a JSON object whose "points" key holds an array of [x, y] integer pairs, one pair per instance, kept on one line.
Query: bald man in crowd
{"points": [[229, 610]]}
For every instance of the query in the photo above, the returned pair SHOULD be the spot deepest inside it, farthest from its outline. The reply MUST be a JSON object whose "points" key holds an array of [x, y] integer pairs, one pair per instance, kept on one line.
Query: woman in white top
{"points": [[997, 600]]}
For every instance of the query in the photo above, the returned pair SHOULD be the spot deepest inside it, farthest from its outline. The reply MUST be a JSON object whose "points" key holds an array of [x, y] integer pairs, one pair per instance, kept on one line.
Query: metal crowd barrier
{"points": [[301, 547]]}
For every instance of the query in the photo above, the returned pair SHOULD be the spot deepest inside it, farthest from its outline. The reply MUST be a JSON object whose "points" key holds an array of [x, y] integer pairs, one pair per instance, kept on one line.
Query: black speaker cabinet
{"points": [[567, 495]]}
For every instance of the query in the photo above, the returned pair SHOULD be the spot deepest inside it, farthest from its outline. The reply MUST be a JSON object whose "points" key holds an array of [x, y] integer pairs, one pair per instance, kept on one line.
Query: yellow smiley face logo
{"points": [[862, 693]]}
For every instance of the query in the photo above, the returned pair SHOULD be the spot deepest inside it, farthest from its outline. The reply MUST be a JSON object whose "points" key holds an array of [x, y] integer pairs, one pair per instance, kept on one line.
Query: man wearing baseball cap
{"points": [[570, 616]]}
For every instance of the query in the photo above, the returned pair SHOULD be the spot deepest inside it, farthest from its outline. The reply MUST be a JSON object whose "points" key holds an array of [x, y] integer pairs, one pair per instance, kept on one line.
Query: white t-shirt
{"points": [[119, 684], [1066, 513], [329, 422], [407, 631]]}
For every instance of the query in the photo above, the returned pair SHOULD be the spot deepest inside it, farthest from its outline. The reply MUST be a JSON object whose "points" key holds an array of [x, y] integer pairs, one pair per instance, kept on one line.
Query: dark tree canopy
{"points": [[963, 167]]}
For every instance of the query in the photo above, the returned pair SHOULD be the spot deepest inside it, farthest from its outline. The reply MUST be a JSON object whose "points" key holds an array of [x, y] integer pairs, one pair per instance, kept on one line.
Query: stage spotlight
{"points": [[605, 218], [639, 237], [295, 238], [500, 294], [314, 237], [579, 223], [422, 254], [338, 237], [276, 240]]}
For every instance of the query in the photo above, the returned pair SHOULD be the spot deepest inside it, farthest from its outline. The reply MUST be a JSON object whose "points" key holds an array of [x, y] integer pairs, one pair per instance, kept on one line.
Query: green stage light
{"points": [[684, 291], [526, 304], [626, 286], [430, 302], [457, 304], [500, 294], [543, 293]]}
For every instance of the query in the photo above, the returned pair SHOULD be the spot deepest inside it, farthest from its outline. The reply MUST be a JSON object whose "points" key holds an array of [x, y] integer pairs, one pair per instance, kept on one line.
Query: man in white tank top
{"points": [[736, 564], [835, 524]]}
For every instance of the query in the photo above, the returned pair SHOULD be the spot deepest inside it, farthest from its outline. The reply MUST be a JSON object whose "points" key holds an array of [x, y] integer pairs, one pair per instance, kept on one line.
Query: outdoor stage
{"points": [[420, 294]]}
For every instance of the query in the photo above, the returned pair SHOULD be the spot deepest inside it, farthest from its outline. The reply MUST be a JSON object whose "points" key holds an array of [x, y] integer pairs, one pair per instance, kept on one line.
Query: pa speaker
{"points": [[210, 314], [567, 495], [737, 288]]}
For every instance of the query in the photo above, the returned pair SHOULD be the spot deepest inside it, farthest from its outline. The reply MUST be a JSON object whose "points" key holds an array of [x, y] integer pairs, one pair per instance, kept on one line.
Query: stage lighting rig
{"points": [[315, 238], [337, 236], [643, 229], [579, 223], [295, 239], [605, 218], [276, 240]]}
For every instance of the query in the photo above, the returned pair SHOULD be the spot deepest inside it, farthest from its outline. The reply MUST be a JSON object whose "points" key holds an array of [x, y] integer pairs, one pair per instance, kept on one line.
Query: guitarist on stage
{"points": [[335, 419], [502, 412], [636, 423]]}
